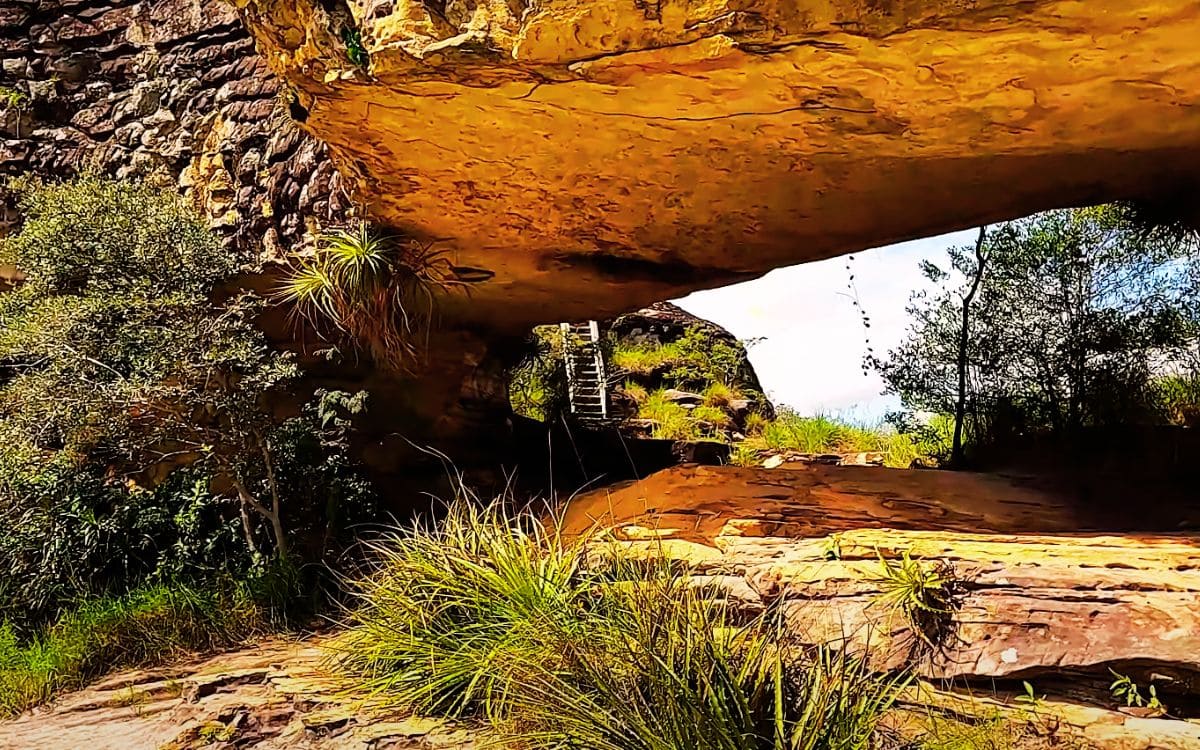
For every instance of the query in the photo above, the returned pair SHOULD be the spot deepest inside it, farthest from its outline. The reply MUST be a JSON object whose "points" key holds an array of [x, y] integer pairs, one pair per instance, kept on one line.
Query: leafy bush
{"points": [[76, 535], [537, 382], [148, 626], [137, 436], [1178, 399]]}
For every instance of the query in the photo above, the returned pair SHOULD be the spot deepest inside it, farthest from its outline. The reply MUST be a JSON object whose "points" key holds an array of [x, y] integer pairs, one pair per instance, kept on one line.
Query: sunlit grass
{"points": [[790, 431], [491, 618], [149, 626], [452, 609], [671, 421]]}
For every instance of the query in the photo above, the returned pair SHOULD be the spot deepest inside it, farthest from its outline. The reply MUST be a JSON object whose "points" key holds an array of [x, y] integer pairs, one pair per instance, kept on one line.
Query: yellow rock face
{"points": [[596, 155]]}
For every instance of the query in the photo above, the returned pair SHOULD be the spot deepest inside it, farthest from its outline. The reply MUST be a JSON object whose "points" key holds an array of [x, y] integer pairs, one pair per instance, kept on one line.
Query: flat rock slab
{"points": [[273, 696], [1037, 599]]}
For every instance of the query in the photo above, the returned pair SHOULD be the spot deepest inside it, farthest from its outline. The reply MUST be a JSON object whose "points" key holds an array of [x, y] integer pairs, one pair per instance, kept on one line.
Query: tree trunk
{"points": [[960, 406], [248, 529], [271, 514]]}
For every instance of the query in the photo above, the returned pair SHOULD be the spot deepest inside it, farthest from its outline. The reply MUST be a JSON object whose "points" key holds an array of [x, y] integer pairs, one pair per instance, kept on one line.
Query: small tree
{"points": [[112, 350], [1064, 329]]}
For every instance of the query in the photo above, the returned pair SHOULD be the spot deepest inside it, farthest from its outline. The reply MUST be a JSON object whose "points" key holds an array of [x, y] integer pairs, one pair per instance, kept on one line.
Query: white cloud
{"points": [[815, 341]]}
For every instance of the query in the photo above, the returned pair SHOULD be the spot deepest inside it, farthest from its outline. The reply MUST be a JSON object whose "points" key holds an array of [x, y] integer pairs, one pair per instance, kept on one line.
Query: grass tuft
{"points": [[671, 421], [451, 610], [720, 396], [148, 626], [491, 616], [646, 359], [924, 593]]}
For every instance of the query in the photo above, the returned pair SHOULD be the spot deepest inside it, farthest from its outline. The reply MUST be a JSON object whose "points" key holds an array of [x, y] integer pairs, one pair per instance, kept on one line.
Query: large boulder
{"points": [[597, 155]]}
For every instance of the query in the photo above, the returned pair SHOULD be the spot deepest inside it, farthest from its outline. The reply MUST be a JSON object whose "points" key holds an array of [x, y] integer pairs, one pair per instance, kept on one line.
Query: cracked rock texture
{"points": [[273, 696], [170, 91], [597, 155], [1046, 591]]}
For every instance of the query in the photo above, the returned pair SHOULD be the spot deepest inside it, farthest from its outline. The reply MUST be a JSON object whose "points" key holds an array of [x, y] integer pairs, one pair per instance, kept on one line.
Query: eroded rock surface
{"points": [[169, 91], [1037, 599], [597, 155], [275, 696]]}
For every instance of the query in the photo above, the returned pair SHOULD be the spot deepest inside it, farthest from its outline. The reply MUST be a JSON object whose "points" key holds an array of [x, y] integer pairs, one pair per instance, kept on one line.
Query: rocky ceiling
{"points": [[595, 155]]}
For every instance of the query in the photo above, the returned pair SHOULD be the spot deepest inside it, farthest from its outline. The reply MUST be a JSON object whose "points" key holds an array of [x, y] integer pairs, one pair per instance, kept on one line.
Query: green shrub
{"points": [[453, 610], [695, 360], [1178, 399], [671, 421], [719, 395], [149, 626], [537, 382], [138, 437]]}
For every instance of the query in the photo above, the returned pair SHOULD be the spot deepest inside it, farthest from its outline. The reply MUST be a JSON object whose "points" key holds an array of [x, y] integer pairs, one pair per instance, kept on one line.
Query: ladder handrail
{"points": [[587, 383]]}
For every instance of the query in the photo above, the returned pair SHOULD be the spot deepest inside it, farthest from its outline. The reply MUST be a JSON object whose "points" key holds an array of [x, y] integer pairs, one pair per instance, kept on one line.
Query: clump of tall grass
{"points": [[492, 616], [671, 421], [452, 610], [672, 669], [148, 626], [790, 431], [712, 415], [720, 395]]}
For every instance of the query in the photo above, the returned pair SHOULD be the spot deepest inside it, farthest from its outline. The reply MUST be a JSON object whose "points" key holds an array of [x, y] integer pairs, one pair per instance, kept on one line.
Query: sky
{"points": [[814, 340]]}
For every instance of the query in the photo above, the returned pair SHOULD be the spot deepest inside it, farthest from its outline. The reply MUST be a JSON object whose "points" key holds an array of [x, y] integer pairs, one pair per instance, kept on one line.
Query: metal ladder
{"points": [[587, 382]]}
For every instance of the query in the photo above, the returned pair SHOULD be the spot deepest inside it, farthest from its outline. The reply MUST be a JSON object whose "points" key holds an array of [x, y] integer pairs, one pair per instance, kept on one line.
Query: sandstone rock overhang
{"points": [[596, 155]]}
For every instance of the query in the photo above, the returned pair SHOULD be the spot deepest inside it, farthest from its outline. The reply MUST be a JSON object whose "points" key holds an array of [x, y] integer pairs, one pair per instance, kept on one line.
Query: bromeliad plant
{"points": [[926, 595], [379, 290]]}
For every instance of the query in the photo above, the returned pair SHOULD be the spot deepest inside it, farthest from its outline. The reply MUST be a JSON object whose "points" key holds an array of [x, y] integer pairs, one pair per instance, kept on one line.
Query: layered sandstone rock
{"points": [[600, 154], [169, 91], [273, 696], [1045, 591]]}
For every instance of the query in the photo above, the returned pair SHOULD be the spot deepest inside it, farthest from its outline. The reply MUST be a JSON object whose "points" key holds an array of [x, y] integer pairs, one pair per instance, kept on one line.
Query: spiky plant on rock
{"points": [[379, 290]]}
